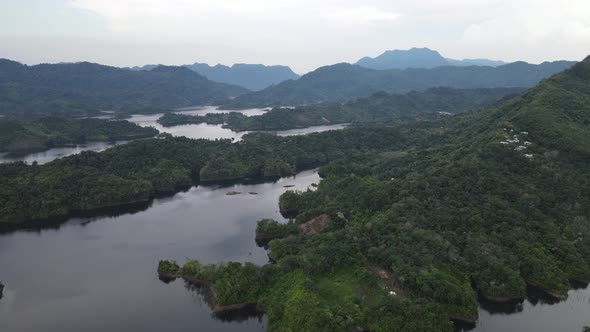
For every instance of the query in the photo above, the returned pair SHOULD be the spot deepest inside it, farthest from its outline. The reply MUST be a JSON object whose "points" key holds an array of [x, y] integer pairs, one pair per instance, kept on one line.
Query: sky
{"points": [[303, 34]]}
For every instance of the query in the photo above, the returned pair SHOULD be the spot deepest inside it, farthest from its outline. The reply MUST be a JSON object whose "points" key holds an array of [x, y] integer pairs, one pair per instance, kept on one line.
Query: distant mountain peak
{"points": [[402, 59], [250, 76], [416, 57]]}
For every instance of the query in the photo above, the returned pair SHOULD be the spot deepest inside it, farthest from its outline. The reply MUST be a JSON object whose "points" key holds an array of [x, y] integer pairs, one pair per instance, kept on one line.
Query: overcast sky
{"points": [[303, 34]]}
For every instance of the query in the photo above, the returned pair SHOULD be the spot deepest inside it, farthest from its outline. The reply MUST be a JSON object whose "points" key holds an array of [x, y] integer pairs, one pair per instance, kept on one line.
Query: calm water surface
{"points": [[538, 314], [99, 274]]}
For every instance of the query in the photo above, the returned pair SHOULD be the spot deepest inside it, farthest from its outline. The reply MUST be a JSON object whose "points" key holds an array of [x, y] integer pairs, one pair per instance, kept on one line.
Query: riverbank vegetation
{"points": [[499, 201], [142, 169], [18, 136]]}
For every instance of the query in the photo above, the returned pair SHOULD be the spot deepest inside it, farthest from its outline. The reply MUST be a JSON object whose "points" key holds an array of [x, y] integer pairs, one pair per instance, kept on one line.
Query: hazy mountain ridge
{"points": [[250, 76], [419, 58], [341, 82], [84, 88]]}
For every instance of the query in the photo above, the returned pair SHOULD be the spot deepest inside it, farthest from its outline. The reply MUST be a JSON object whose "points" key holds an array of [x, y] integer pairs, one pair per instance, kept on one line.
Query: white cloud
{"points": [[303, 33], [360, 15]]}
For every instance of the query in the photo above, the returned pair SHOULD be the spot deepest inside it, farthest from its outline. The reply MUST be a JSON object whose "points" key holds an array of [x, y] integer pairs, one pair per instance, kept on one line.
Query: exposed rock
{"points": [[231, 193], [314, 226]]}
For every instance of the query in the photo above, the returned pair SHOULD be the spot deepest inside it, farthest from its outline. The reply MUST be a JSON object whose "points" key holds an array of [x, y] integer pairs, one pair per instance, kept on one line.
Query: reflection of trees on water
{"points": [[510, 307], [89, 217], [202, 295]]}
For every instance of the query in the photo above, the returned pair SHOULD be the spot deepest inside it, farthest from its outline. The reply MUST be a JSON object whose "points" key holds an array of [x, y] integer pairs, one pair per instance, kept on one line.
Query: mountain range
{"points": [[249, 76], [82, 89], [341, 82], [419, 58]]}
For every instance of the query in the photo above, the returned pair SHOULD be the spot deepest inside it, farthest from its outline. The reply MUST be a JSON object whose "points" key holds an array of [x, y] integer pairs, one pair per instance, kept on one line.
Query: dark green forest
{"points": [[381, 108], [45, 133], [423, 218], [498, 201]]}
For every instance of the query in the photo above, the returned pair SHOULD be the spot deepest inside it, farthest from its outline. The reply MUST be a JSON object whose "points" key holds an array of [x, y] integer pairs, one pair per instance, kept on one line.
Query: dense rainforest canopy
{"points": [[408, 225], [498, 201], [48, 132]]}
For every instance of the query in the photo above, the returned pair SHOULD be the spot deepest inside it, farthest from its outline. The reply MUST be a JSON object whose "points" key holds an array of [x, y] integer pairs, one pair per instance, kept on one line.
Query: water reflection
{"points": [[54, 153], [309, 130], [202, 295], [202, 110], [539, 312]]}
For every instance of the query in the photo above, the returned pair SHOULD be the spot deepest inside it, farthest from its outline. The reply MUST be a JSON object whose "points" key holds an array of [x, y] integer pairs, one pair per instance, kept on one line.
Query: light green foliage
{"points": [[170, 267]]}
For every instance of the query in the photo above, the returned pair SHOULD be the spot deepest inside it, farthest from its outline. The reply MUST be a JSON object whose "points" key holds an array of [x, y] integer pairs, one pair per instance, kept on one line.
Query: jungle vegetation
{"points": [[415, 238], [424, 217]]}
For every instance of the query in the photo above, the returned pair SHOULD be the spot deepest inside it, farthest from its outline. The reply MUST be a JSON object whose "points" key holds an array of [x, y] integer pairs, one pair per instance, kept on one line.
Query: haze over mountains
{"points": [[344, 81], [419, 58], [83, 89], [249, 76]]}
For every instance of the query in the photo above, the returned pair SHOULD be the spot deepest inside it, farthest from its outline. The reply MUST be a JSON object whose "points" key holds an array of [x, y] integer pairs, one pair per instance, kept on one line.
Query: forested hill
{"points": [[81, 89], [250, 76], [344, 81], [494, 201], [408, 225]]}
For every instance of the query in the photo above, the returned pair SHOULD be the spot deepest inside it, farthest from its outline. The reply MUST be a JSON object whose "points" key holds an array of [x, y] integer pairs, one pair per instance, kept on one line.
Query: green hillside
{"points": [[499, 199]]}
